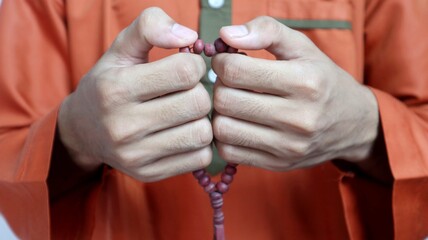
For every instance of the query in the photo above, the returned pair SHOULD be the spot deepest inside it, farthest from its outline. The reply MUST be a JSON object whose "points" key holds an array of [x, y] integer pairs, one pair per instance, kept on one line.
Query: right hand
{"points": [[148, 120]]}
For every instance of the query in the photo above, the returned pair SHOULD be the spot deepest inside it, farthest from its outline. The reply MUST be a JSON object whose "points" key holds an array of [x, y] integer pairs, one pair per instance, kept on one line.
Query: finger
{"points": [[267, 33], [174, 165], [262, 75], [152, 28], [265, 109], [184, 138], [251, 106], [251, 157], [172, 110], [146, 81], [246, 134]]}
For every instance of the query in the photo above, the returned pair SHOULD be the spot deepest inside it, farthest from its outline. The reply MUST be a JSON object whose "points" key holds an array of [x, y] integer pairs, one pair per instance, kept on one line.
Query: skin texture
{"points": [[294, 112], [148, 120]]}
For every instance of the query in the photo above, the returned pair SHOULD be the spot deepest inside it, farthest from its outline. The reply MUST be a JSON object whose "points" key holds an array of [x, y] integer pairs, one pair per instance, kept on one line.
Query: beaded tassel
{"points": [[216, 192]]}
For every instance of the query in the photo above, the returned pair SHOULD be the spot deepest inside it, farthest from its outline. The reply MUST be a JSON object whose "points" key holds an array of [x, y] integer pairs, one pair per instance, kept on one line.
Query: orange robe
{"points": [[46, 46]]}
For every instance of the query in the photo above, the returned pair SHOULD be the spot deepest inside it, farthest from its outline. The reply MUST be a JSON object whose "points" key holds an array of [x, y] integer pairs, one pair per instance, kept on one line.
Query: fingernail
{"points": [[236, 31], [181, 31]]}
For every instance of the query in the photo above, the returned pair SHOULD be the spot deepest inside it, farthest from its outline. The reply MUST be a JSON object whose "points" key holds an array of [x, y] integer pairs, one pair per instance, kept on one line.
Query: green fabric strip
{"points": [[316, 24], [210, 22]]}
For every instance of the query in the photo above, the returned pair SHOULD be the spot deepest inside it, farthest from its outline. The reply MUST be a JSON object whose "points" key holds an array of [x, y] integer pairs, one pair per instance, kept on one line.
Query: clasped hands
{"points": [[149, 119]]}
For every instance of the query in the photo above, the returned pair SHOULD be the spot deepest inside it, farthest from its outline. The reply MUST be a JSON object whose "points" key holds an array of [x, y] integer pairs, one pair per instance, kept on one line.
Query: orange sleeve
{"points": [[33, 82], [396, 69]]}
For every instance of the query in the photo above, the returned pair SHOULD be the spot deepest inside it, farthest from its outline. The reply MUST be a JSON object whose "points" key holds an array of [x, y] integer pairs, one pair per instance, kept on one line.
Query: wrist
{"points": [[68, 135], [364, 130], [369, 155]]}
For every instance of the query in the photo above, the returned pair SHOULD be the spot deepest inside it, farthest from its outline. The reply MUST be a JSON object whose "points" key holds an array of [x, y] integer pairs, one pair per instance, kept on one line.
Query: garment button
{"points": [[212, 76], [216, 3]]}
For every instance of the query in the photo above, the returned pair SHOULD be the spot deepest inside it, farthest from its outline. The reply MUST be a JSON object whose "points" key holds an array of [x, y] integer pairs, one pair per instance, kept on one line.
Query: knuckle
{"points": [[270, 24], [187, 73], [147, 16], [312, 88], [202, 133], [201, 100], [231, 70], [220, 129], [266, 20], [300, 149], [127, 159], [309, 123], [109, 92], [199, 65], [203, 158], [221, 100], [117, 131]]}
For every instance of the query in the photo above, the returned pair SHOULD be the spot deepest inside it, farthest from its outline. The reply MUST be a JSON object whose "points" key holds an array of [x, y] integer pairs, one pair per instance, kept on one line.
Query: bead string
{"points": [[214, 190], [210, 49]]}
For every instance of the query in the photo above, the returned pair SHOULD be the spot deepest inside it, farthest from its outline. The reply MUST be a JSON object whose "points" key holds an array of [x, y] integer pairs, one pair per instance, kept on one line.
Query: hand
{"points": [[295, 112], [148, 120]]}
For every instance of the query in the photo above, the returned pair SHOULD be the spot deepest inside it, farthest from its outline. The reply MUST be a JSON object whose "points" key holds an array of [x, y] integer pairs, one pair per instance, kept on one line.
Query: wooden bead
{"points": [[226, 178], [204, 181], [220, 45], [209, 50], [198, 46], [199, 173], [210, 187], [222, 187], [230, 170]]}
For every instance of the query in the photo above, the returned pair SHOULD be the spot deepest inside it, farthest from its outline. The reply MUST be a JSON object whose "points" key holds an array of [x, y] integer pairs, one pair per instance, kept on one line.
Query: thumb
{"points": [[267, 33], [152, 28]]}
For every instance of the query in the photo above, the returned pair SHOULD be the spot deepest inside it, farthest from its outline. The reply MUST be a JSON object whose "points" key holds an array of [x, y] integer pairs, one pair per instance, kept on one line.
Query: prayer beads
{"points": [[215, 190]]}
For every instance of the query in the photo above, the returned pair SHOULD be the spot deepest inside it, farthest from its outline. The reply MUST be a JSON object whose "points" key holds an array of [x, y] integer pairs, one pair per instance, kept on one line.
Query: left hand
{"points": [[297, 111]]}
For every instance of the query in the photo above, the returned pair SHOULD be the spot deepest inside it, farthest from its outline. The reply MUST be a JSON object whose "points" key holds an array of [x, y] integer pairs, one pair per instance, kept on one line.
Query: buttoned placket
{"points": [[214, 15]]}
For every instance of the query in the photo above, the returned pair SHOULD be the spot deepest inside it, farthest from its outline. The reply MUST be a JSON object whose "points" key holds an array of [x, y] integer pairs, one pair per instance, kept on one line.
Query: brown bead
{"points": [[210, 187], [209, 50], [204, 181], [222, 187], [198, 46], [220, 45], [226, 178], [199, 173], [230, 170]]}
